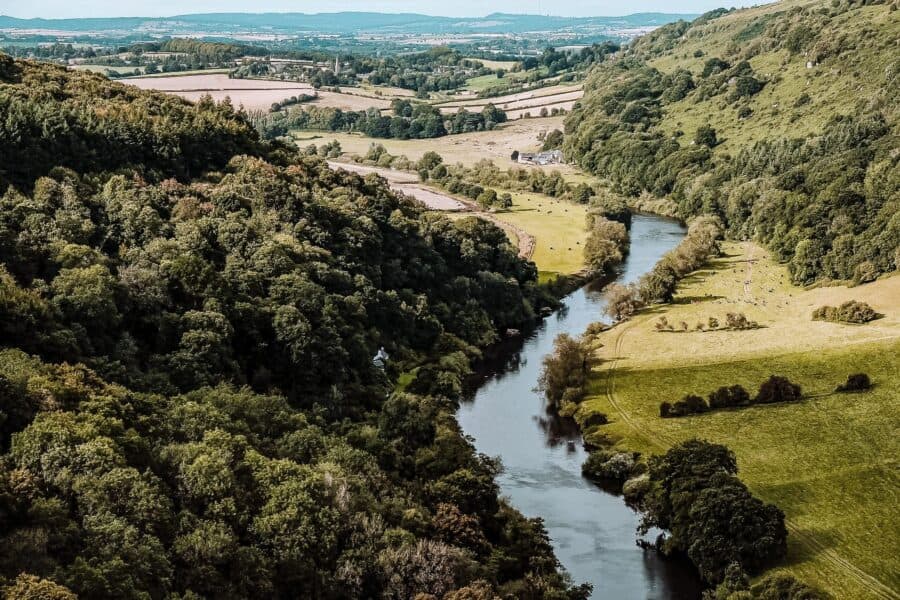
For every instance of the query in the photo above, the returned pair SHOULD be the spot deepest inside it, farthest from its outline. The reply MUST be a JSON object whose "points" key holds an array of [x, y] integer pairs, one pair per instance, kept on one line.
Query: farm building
{"points": [[551, 157]]}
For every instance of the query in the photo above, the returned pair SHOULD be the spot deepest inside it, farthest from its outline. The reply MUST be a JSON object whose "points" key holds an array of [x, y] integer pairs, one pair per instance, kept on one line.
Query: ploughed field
{"points": [[829, 461], [252, 94]]}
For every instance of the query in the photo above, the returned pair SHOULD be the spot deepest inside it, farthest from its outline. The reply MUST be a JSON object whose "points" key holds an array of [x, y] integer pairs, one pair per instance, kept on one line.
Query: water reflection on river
{"points": [[593, 531]]}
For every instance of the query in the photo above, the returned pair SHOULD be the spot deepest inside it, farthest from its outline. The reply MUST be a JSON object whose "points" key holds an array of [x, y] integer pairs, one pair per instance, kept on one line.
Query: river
{"points": [[592, 530]]}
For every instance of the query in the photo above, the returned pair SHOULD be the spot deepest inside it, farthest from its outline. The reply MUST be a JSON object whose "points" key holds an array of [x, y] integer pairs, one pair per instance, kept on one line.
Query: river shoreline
{"points": [[592, 530]]}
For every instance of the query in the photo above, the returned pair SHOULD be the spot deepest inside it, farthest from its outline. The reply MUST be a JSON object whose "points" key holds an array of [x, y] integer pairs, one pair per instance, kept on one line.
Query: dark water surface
{"points": [[593, 531]]}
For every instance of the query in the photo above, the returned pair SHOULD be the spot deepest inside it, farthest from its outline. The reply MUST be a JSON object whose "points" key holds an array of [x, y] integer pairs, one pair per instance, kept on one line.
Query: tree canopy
{"points": [[188, 401]]}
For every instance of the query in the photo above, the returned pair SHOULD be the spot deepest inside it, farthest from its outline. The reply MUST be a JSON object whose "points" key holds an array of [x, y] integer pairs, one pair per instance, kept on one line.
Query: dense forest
{"points": [[759, 118], [189, 406]]}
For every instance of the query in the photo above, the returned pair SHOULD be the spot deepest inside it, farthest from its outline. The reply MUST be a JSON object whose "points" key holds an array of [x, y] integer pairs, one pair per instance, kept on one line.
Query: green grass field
{"points": [[477, 84], [497, 64], [557, 226], [829, 461]]}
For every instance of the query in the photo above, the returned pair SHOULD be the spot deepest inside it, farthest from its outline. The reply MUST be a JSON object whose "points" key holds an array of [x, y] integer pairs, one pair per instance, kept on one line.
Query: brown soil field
{"points": [[351, 101], [252, 94]]}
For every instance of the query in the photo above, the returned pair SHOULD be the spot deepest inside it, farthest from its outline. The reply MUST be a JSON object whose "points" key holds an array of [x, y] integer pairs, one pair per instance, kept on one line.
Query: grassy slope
{"points": [[830, 461], [835, 87]]}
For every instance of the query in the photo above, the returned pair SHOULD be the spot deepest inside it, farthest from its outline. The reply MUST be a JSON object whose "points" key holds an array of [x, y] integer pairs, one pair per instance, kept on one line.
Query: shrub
{"points": [[857, 382], [635, 488], [603, 464], [622, 301], [706, 136], [726, 397], [778, 389], [739, 321], [851, 311], [594, 420], [689, 405]]}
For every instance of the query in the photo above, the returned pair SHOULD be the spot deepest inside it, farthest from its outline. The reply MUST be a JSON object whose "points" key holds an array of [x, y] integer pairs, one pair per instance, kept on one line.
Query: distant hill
{"points": [[343, 22], [780, 119]]}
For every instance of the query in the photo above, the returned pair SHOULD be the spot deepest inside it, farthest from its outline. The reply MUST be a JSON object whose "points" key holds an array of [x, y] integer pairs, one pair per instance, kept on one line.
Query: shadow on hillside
{"points": [[696, 299]]}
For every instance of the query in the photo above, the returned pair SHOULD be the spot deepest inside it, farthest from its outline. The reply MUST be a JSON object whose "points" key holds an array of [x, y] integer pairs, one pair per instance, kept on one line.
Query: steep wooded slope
{"points": [[781, 119]]}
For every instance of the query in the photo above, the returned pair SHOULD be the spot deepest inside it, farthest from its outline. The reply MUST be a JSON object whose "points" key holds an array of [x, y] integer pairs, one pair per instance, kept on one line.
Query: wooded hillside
{"points": [[781, 119], [188, 400]]}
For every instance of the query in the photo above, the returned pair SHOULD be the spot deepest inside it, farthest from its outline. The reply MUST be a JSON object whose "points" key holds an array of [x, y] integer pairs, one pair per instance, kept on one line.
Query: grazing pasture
{"points": [[829, 461]]}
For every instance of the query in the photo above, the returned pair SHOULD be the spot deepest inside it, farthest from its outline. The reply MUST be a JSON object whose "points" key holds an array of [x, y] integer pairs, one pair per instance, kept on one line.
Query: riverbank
{"points": [[813, 458], [592, 530]]}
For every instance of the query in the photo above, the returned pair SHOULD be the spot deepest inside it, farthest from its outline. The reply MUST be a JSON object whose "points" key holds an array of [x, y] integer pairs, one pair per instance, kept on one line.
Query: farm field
{"points": [[497, 64], [520, 99], [558, 228], [351, 101], [252, 94], [829, 461], [535, 111], [482, 82], [379, 91], [465, 148]]}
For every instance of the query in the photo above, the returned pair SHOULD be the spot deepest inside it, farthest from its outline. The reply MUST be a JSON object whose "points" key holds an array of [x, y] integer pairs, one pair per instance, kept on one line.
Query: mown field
{"points": [[252, 94], [829, 461]]}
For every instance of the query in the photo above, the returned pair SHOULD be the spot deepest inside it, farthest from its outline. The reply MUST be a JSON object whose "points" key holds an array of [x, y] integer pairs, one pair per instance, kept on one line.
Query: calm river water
{"points": [[593, 531]]}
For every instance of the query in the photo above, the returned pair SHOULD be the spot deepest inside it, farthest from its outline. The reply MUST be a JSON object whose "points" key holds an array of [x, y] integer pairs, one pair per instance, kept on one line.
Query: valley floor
{"points": [[829, 461]]}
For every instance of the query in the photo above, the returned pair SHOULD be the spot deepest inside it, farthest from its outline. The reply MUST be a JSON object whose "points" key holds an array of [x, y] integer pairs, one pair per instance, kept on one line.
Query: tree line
{"points": [[407, 121]]}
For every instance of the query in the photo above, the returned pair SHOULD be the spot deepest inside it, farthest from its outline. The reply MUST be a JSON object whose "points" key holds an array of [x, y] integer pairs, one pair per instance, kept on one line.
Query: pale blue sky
{"points": [[455, 8]]}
